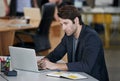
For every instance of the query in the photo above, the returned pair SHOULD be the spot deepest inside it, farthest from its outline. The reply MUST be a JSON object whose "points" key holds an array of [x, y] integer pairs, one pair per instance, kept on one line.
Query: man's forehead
{"points": [[64, 19]]}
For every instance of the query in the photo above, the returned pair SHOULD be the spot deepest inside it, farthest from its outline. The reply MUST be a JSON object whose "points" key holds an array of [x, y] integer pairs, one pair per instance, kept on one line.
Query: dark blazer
{"points": [[89, 56]]}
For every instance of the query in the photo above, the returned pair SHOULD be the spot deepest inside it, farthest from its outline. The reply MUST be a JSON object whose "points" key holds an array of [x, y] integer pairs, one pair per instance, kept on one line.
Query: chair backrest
{"points": [[47, 18], [41, 39]]}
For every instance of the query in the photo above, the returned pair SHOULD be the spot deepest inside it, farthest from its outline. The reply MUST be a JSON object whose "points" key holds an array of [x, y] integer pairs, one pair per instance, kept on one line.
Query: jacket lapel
{"points": [[78, 53]]}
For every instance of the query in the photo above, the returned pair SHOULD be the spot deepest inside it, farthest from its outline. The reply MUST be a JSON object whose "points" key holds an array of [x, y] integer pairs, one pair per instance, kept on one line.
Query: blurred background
{"points": [[99, 22]]}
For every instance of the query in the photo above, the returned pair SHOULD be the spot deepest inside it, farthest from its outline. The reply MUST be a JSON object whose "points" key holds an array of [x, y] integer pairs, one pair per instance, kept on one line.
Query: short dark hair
{"points": [[69, 12]]}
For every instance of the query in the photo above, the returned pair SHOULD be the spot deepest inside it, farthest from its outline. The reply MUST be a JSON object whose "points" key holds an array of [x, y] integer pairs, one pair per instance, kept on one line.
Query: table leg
{"points": [[107, 36], [85, 19], [6, 39]]}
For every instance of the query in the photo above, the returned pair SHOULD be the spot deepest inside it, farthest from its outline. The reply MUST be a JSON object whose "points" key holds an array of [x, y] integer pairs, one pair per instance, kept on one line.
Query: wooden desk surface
{"points": [[16, 24], [7, 31]]}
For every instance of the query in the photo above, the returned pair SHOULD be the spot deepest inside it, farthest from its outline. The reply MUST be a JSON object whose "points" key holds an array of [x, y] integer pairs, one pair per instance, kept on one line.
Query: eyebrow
{"points": [[65, 22]]}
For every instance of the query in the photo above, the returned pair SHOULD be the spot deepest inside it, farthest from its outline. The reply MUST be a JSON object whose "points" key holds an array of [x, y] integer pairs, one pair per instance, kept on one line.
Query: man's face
{"points": [[68, 27]]}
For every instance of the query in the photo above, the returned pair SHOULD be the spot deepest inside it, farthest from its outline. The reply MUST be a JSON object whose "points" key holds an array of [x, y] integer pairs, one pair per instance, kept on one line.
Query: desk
{"points": [[7, 31], [41, 76], [104, 11]]}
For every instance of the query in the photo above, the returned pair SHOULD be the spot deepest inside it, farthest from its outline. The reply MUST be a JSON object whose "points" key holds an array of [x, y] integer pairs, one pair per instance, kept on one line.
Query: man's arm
{"points": [[54, 56], [7, 9], [58, 53]]}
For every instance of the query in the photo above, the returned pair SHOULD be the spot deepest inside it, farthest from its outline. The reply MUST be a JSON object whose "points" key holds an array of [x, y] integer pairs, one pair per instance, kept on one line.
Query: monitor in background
{"points": [[23, 59], [78, 3]]}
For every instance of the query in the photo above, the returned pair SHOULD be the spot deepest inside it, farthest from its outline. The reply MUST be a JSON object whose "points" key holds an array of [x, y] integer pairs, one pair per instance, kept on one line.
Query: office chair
{"points": [[41, 35]]}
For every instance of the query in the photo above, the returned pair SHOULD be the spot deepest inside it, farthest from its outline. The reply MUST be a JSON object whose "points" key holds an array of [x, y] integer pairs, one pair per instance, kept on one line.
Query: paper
{"points": [[68, 75], [19, 25]]}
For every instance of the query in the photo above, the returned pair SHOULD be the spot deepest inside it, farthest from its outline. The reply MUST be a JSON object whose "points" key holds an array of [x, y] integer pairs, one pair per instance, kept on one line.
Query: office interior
{"points": [[112, 51]]}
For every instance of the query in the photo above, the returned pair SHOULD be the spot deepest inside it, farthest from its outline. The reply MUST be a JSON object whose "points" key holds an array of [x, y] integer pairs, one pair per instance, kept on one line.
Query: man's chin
{"points": [[68, 34]]}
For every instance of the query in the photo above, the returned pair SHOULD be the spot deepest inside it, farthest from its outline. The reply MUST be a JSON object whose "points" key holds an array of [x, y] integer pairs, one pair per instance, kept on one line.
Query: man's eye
{"points": [[65, 23]]}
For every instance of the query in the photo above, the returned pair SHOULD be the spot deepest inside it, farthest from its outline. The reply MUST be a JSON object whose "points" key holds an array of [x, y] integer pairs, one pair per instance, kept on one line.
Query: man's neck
{"points": [[77, 33]]}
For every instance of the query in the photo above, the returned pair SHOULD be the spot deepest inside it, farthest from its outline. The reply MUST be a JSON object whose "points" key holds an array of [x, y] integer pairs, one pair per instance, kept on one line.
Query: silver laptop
{"points": [[23, 59]]}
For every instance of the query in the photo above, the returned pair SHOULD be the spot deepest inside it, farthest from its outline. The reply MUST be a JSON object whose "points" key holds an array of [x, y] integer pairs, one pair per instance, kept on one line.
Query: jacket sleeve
{"points": [[58, 52], [91, 48]]}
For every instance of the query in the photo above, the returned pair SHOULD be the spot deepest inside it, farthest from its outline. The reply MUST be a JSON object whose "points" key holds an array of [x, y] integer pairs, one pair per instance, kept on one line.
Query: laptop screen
{"points": [[23, 58]]}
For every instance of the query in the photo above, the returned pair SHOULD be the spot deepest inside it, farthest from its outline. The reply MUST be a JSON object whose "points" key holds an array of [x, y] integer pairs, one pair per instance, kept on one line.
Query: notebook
{"points": [[23, 59], [34, 14]]}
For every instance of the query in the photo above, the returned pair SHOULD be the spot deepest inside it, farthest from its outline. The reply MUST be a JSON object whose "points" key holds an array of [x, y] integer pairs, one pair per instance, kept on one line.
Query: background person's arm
{"points": [[35, 3], [7, 9], [55, 14]]}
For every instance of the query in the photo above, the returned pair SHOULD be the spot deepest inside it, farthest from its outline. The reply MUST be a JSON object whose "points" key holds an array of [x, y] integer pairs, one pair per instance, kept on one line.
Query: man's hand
{"points": [[46, 64]]}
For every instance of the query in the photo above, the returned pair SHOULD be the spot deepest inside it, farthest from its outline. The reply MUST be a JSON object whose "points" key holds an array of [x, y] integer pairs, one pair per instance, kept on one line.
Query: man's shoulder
{"points": [[88, 29]]}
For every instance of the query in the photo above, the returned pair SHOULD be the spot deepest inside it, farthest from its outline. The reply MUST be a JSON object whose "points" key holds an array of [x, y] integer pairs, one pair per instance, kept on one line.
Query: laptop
{"points": [[23, 59], [34, 14]]}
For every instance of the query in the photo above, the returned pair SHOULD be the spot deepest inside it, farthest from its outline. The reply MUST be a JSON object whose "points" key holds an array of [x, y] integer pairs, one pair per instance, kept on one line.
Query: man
{"points": [[82, 45], [16, 6]]}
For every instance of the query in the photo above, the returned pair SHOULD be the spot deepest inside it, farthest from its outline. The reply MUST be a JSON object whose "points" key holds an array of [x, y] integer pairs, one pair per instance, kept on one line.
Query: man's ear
{"points": [[76, 20]]}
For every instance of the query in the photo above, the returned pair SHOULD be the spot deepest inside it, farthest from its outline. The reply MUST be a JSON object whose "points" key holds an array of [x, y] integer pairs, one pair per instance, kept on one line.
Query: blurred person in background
{"points": [[58, 3], [15, 8]]}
